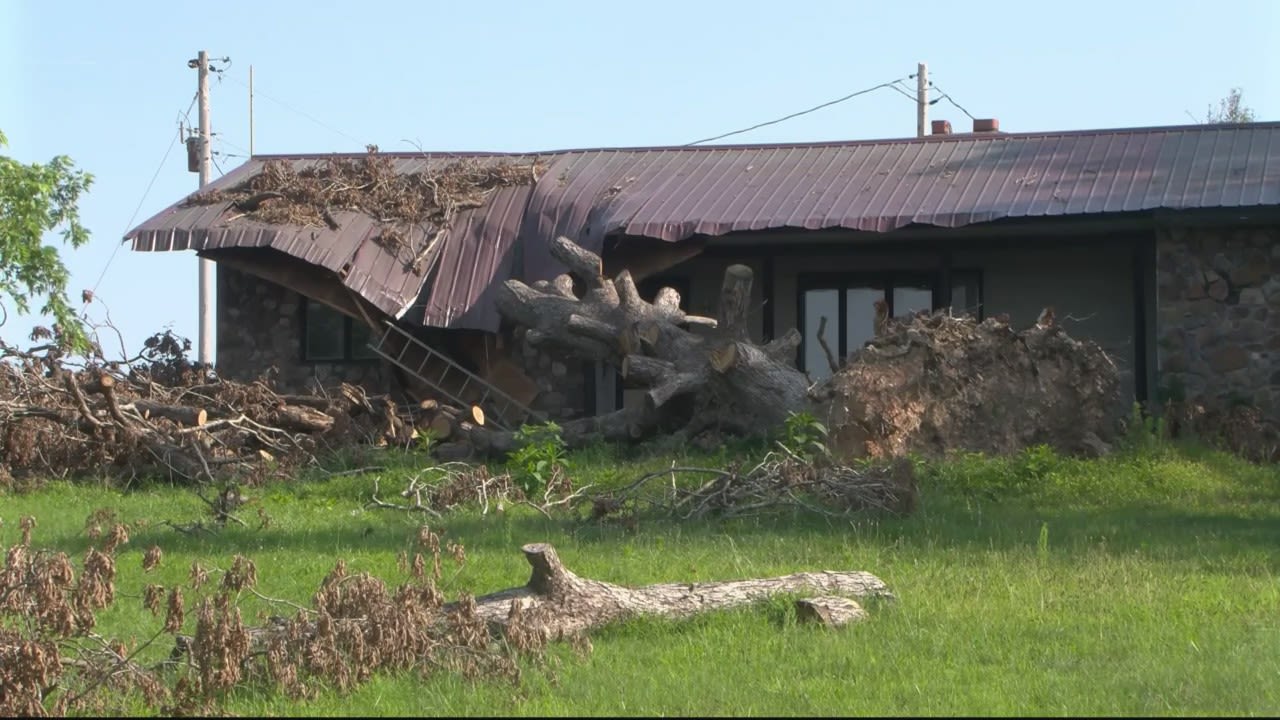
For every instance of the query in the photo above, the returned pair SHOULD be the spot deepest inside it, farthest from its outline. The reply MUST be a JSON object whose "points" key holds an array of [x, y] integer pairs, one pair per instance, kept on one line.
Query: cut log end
{"points": [[563, 286], [584, 264], [546, 565], [628, 294], [441, 427], [477, 415], [735, 301], [829, 611]]}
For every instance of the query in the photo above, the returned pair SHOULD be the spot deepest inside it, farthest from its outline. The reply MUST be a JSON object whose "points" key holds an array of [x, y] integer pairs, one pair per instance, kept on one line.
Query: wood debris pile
{"points": [[166, 416], [781, 482]]}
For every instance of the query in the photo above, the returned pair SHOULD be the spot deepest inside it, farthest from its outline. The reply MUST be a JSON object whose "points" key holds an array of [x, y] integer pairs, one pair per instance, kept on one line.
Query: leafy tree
{"points": [[1230, 110], [35, 200]]}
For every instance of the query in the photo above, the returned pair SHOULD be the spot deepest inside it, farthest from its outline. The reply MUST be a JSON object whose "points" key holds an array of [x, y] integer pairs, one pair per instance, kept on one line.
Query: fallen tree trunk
{"points": [[562, 604], [558, 604]]}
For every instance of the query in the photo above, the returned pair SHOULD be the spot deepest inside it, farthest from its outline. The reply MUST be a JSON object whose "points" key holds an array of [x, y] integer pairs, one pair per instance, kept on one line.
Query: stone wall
{"points": [[260, 327], [561, 380], [1218, 314]]}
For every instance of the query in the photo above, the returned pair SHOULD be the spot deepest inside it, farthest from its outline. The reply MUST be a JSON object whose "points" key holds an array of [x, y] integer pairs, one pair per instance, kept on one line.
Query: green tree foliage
{"points": [[35, 200], [1230, 110]]}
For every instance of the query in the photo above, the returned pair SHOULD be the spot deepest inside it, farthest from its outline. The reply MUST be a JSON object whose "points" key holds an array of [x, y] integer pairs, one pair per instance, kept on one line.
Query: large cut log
{"points": [[188, 416], [563, 603], [734, 383], [298, 418], [442, 426]]}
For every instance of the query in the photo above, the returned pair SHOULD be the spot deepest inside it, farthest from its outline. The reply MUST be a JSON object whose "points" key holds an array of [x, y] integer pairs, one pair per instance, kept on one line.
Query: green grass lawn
{"points": [[1142, 583]]}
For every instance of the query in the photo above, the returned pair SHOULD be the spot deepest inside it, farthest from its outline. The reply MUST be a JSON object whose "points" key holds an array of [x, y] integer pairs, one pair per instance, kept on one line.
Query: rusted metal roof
{"points": [[676, 193]]}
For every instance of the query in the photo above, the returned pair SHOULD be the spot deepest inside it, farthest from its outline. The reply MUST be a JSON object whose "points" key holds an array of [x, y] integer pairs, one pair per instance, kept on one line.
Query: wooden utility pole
{"points": [[205, 349], [922, 99], [250, 111]]}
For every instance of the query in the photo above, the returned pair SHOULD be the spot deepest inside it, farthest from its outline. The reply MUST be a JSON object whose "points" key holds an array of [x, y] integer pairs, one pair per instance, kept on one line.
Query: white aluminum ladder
{"points": [[503, 411]]}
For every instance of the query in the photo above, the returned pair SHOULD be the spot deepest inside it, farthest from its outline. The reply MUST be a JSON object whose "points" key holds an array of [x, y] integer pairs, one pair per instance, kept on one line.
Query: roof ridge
{"points": [[951, 137]]}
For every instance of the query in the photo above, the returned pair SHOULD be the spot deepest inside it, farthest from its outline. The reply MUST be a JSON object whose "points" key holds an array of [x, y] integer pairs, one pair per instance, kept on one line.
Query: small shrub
{"points": [[804, 437], [542, 454], [1144, 431], [426, 441]]}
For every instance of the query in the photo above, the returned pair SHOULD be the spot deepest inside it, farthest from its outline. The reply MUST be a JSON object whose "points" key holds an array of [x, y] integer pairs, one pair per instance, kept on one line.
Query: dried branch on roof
{"points": [[428, 199]]}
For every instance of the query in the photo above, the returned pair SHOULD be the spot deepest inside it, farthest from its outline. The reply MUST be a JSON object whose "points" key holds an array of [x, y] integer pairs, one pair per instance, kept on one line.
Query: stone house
{"points": [[1162, 244]]}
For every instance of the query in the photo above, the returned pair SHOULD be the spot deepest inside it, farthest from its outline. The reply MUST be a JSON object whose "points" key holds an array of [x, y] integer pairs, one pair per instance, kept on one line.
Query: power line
{"points": [[217, 137], [214, 158], [904, 93], [145, 193], [948, 98], [850, 96], [286, 106]]}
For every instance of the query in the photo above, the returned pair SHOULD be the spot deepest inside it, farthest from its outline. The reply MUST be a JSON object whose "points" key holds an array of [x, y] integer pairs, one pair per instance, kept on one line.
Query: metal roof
{"points": [[674, 193]]}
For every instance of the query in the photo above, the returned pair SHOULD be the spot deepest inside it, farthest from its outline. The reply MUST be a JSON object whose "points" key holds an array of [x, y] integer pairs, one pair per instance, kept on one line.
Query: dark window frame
{"points": [[349, 327], [886, 281], [981, 284]]}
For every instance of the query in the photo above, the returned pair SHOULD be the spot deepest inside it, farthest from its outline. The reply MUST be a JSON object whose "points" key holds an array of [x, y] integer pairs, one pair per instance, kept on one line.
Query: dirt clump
{"points": [[933, 383]]}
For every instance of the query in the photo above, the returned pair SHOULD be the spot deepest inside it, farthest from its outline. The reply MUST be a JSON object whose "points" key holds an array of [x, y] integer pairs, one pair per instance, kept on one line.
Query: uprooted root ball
{"points": [[933, 383]]}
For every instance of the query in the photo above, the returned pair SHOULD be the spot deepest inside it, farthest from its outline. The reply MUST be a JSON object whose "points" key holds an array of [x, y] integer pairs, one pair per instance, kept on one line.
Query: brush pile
{"points": [[163, 415], [781, 482], [428, 200]]}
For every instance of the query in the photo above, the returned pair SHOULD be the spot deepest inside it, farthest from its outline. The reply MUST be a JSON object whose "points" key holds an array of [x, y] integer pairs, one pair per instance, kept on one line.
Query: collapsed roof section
{"points": [[437, 262]]}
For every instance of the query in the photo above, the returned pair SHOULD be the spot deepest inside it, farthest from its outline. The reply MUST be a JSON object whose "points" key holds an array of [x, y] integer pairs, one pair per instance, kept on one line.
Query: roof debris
{"points": [[371, 185]]}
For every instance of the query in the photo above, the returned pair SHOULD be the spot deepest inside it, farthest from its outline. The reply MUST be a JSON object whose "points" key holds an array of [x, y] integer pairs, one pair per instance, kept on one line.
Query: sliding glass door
{"points": [[848, 304]]}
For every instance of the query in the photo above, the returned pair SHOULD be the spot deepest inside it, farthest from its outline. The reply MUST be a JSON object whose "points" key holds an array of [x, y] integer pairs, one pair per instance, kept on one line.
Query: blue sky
{"points": [[107, 82]]}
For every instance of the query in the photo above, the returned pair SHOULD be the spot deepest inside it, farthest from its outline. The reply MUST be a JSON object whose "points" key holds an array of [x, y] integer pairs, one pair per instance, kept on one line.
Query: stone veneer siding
{"points": [[561, 380], [1218, 314], [260, 327]]}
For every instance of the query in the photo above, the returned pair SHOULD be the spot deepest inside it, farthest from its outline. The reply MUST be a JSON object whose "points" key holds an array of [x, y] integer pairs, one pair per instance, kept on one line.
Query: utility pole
{"points": [[250, 111], [922, 99], [205, 349]]}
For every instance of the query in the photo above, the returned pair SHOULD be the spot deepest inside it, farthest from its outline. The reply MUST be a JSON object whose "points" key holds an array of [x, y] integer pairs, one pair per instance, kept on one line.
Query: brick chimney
{"points": [[986, 125], [941, 127]]}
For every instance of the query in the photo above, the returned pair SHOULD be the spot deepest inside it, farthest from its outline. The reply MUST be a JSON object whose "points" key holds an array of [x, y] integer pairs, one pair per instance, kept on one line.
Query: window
{"points": [[330, 336], [966, 293], [849, 305]]}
